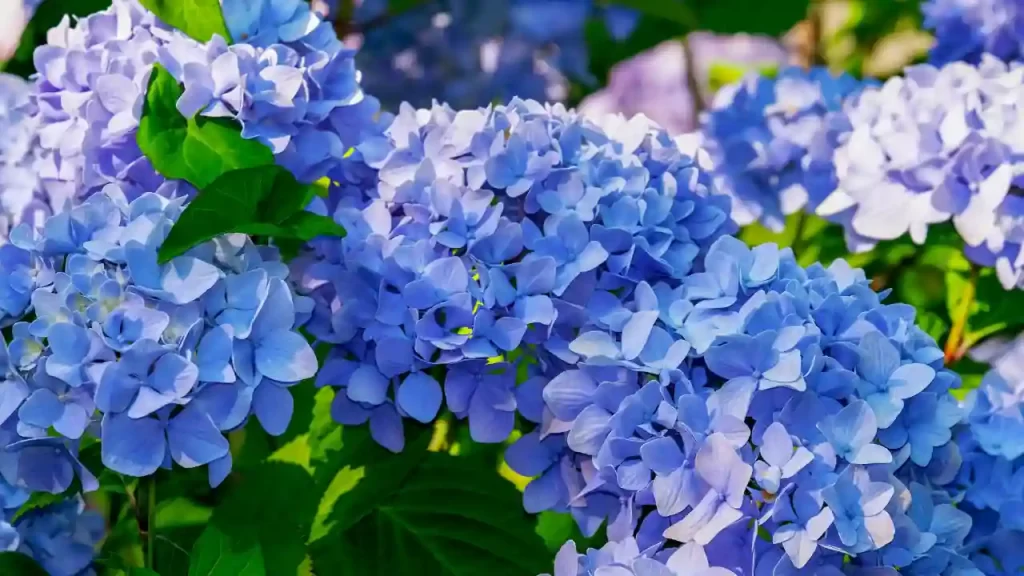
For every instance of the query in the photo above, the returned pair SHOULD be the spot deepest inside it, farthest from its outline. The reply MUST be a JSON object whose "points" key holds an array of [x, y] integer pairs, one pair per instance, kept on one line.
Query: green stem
{"points": [[954, 348], [799, 243], [150, 530]]}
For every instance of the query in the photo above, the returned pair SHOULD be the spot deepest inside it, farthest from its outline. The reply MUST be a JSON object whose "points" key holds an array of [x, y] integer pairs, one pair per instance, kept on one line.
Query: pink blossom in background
{"points": [[14, 14], [654, 82]]}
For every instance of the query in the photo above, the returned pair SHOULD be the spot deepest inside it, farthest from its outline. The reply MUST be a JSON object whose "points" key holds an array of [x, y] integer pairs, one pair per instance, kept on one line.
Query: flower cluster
{"points": [[470, 53], [803, 427], [285, 82], [18, 181], [483, 236], [933, 145], [770, 142], [655, 83], [967, 29], [989, 483], [291, 84], [158, 360], [61, 537]]}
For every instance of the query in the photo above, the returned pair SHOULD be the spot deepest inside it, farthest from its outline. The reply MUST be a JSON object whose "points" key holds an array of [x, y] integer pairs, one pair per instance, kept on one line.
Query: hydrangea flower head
{"points": [[967, 29], [18, 181], [934, 145], [785, 438], [485, 232], [293, 88], [158, 360], [767, 138]]}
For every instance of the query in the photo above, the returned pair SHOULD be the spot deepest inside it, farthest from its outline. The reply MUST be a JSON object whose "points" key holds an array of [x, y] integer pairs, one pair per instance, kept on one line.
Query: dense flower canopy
{"points": [[563, 284], [486, 231]]}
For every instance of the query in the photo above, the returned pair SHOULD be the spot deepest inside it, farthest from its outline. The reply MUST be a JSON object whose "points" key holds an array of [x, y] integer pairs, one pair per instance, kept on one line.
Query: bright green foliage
{"points": [[450, 516], [215, 555], [198, 149], [200, 19], [17, 564], [260, 201]]}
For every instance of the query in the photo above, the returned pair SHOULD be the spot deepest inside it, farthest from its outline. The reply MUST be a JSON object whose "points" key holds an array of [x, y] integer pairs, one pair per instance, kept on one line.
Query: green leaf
{"points": [[198, 149], [272, 504], [262, 200], [725, 16], [557, 528], [142, 572], [748, 16], [214, 554], [18, 564], [200, 19], [451, 516], [671, 11], [724, 73]]}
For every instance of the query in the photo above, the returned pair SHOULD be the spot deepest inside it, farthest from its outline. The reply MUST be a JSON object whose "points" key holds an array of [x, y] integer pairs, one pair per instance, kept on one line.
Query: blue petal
{"points": [[419, 396], [193, 439], [135, 447], [285, 357], [273, 406]]}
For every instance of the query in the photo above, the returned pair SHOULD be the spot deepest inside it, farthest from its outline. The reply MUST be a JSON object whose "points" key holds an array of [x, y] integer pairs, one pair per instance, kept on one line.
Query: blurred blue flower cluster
{"points": [[770, 142], [806, 431], [61, 537], [157, 360], [483, 236], [990, 486], [468, 53], [289, 81], [18, 181], [967, 29], [933, 145]]}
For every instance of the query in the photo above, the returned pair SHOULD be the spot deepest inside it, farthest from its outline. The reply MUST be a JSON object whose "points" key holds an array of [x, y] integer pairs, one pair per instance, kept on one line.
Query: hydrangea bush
{"points": [[256, 322]]}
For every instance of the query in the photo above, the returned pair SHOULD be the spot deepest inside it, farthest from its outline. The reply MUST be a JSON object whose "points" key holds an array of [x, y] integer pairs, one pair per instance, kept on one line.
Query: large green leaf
{"points": [[200, 19], [450, 516], [215, 554], [197, 149], [18, 564], [725, 16], [271, 505], [260, 201]]}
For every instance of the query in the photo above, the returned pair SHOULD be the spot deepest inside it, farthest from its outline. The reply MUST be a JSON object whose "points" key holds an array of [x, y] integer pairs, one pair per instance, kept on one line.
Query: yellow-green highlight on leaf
{"points": [[724, 73], [200, 19]]}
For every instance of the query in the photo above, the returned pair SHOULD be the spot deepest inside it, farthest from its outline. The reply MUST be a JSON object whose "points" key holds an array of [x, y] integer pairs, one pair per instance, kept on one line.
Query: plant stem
{"points": [[149, 531], [798, 244], [954, 349], [692, 84]]}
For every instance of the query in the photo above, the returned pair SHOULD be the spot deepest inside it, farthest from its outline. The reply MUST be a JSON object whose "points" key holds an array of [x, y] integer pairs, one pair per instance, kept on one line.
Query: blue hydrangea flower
{"points": [[61, 537], [87, 121], [767, 139], [469, 54], [517, 212], [933, 145], [965, 30], [19, 183], [157, 360]]}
